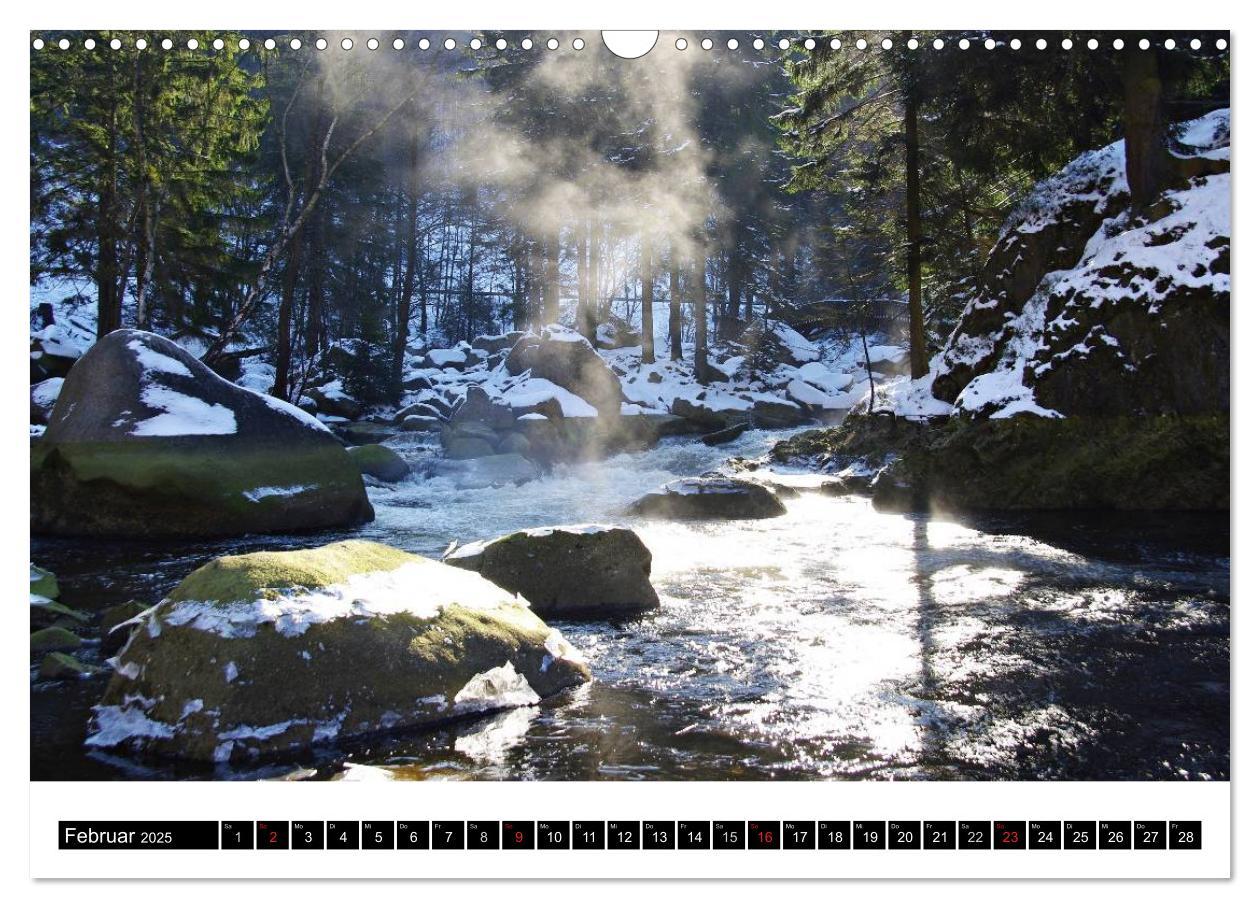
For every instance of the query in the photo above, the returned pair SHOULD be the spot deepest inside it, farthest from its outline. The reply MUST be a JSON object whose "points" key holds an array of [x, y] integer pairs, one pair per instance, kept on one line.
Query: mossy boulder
{"points": [[568, 572], [146, 441], [44, 583], [710, 498], [273, 652], [55, 638], [49, 613], [380, 462], [64, 667], [1165, 463]]}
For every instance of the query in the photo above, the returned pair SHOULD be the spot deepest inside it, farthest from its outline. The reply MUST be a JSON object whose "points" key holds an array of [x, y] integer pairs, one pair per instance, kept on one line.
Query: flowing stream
{"points": [[833, 642]]}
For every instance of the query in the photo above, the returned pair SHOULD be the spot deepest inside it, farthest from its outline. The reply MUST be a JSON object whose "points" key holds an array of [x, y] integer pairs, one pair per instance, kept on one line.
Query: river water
{"points": [[833, 642]]}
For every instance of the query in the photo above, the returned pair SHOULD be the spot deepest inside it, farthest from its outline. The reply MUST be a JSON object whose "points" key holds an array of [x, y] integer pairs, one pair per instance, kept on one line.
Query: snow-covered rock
{"points": [[43, 398], [565, 358], [1089, 307], [145, 440], [275, 652]]}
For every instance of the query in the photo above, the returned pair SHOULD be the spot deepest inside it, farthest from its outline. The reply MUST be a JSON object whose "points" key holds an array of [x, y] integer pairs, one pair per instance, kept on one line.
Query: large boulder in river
{"points": [[564, 357], [263, 654], [379, 462], [710, 497], [146, 441], [568, 572]]}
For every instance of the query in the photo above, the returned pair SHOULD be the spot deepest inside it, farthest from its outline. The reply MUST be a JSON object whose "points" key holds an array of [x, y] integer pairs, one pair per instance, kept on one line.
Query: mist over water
{"points": [[833, 642]]}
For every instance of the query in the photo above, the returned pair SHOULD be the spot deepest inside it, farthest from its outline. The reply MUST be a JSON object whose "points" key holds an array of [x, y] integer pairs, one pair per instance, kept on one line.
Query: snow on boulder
{"points": [[1087, 307], [807, 395], [331, 399], [43, 398], [253, 656], [565, 358], [533, 391], [54, 350], [709, 498], [820, 376], [800, 349], [453, 357], [146, 441], [773, 342], [568, 571]]}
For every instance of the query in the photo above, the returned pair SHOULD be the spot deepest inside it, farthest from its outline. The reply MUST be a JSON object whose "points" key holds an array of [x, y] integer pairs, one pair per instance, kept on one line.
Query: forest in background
{"points": [[294, 200]]}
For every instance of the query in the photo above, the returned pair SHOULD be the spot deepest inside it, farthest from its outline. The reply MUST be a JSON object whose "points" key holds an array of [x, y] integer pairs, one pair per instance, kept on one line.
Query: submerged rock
{"points": [[146, 441], [568, 572], [722, 436], [262, 654], [380, 462], [717, 497], [491, 470]]}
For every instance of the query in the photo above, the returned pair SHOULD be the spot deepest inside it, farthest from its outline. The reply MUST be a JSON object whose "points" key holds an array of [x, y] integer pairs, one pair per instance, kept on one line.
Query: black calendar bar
{"points": [[636, 835], [95, 835]]}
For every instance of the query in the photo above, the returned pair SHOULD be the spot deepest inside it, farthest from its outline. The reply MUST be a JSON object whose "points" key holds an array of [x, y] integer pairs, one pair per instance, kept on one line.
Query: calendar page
{"points": [[545, 452]]}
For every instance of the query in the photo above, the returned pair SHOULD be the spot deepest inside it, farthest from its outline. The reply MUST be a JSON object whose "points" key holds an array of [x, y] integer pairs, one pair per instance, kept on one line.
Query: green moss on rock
{"points": [[64, 667], [256, 655], [44, 583], [1159, 463], [379, 462], [55, 638]]}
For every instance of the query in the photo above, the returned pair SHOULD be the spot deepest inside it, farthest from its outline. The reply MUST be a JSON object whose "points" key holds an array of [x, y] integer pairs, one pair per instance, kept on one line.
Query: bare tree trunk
{"points": [[1146, 159], [108, 302], [697, 288], [584, 281], [914, 238], [144, 274], [646, 278], [675, 305], [551, 295], [284, 321], [402, 317]]}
